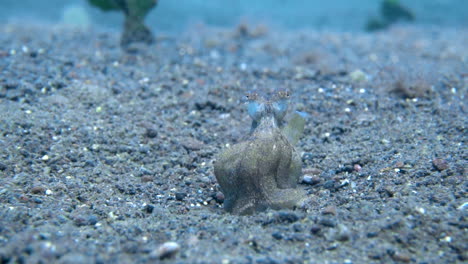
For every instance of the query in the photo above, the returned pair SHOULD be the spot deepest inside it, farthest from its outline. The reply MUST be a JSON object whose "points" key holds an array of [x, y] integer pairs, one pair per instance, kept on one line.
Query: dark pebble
{"points": [[286, 217], [38, 190], [440, 164], [2, 166], [277, 235], [92, 220], [90, 163], [36, 200], [180, 196], [328, 222], [348, 169], [219, 197], [84, 220], [298, 227], [151, 133], [315, 229], [149, 208], [375, 256]]}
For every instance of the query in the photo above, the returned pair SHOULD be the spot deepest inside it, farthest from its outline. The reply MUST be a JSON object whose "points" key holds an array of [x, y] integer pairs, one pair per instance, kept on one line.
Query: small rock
{"points": [[333, 246], [277, 235], [328, 222], [358, 76], [166, 250], [38, 190], [151, 133], [329, 210], [440, 164], [401, 257], [180, 196], [357, 167], [286, 217], [219, 197], [315, 229], [84, 219], [298, 227], [399, 164], [2, 166], [149, 208], [311, 180], [146, 178], [205, 180], [343, 233], [192, 144]]}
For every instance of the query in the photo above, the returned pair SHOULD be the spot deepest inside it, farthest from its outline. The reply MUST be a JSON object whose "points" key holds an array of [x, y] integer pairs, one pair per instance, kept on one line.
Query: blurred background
{"points": [[176, 15]]}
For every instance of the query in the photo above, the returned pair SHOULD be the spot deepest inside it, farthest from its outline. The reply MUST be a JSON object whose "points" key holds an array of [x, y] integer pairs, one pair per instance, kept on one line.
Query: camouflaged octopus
{"points": [[263, 171]]}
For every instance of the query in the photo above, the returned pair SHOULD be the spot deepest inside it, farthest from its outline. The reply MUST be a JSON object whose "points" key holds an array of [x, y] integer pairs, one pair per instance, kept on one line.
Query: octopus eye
{"points": [[283, 94], [251, 96]]}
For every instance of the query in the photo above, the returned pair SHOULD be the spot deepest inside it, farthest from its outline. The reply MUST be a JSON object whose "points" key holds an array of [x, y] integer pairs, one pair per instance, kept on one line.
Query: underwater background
{"points": [[175, 15], [234, 132]]}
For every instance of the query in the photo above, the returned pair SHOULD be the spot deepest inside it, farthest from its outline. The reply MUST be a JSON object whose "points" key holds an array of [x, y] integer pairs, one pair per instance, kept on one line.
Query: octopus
{"points": [[263, 171]]}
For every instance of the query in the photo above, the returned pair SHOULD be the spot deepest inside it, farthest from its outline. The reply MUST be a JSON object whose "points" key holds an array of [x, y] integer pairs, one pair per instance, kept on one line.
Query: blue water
{"points": [[175, 15]]}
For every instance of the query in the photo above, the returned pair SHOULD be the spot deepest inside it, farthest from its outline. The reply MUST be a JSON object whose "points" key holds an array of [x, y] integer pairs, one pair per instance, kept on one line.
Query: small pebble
{"points": [[329, 210], [401, 257], [146, 178], [311, 180], [219, 197], [38, 190], [358, 76], [192, 144], [180, 196], [440, 164], [149, 208], [166, 250], [357, 167], [277, 235], [399, 164], [327, 222], [315, 229], [151, 133], [344, 234]]}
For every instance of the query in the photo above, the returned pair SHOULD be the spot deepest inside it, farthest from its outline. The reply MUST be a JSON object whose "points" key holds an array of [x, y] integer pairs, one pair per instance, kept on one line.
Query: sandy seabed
{"points": [[107, 155]]}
